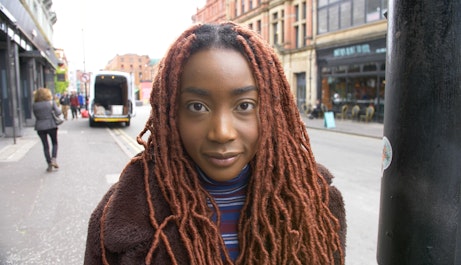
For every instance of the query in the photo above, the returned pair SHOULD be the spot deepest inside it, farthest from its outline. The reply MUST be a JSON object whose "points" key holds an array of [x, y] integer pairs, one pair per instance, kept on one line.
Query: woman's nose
{"points": [[222, 128]]}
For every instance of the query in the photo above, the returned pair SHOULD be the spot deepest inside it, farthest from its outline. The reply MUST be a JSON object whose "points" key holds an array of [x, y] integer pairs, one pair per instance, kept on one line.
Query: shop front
{"points": [[353, 75]]}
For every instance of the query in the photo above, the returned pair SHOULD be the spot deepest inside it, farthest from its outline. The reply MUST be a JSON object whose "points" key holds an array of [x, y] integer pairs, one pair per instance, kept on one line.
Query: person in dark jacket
{"points": [[227, 175], [74, 105], [45, 124], [64, 100]]}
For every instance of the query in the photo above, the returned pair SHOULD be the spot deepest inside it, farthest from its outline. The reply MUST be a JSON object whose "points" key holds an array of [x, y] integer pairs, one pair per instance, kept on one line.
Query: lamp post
{"points": [[85, 76], [420, 213]]}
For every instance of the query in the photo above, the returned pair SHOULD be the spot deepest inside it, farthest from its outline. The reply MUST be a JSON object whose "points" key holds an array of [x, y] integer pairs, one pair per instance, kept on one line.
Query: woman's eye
{"points": [[196, 107], [246, 106]]}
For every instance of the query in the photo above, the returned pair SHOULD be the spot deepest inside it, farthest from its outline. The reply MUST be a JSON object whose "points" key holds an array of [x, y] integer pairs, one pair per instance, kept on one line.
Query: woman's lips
{"points": [[222, 161]]}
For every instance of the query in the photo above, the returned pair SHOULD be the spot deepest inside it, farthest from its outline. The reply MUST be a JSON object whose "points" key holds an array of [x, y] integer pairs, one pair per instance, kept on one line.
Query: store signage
{"points": [[352, 50]]}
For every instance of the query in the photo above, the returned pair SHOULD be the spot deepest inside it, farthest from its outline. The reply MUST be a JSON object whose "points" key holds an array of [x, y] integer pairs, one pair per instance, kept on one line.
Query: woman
{"points": [[227, 175], [45, 125]]}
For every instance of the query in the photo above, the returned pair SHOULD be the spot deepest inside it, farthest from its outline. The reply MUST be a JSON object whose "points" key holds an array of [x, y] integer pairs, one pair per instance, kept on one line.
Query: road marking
{"points": [[126, 143]]}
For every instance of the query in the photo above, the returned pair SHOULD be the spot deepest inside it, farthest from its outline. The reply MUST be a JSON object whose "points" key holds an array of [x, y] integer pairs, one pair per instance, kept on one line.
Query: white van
{"points": [[111, 98]]}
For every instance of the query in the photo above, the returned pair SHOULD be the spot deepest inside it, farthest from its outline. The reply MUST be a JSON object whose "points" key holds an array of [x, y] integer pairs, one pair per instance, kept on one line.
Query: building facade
{"points": [[27, 60], [331, 50], [141, 67]]}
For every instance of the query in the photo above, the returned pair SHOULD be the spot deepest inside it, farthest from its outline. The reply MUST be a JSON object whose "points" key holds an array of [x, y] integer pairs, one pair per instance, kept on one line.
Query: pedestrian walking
{"points": [[65, 103], [45, 124], [81, 103], [227, 175], [74, 105]]}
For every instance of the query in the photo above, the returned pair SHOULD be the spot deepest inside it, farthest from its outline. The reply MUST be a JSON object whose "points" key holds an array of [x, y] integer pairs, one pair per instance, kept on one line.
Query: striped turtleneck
{"points": [[230, 197]]}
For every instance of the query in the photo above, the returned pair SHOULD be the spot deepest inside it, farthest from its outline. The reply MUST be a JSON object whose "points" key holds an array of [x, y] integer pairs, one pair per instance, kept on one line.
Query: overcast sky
{"points": [[95, 31]]}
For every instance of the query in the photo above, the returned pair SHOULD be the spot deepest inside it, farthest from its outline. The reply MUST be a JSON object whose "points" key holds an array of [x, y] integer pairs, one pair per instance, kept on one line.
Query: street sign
{"points": [[85, 77]]}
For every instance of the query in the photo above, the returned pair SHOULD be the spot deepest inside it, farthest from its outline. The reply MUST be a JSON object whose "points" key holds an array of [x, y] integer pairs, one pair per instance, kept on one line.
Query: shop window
{"points": [[369, 67], [353, 68], [341, 69], [326, 70]]}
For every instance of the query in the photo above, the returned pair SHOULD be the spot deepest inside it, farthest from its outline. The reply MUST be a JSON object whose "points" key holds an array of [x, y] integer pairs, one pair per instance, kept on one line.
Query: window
{"points": [[333, 18], [322, 23], [354, 68], [61, 77], [373, 10], [304, 10], [275, 32], [323, 3], [346, 13], [304, 36], [339, 14], [296, 13], [358, 12], [370, 67], [297, 36]]}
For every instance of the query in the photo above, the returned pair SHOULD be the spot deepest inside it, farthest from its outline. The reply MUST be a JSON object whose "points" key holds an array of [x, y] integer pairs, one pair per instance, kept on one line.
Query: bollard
{"points": [[420, 210]]}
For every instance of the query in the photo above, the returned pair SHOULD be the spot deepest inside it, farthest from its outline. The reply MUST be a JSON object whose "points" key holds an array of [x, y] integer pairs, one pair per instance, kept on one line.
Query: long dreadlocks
{"points": [[285, 219]]}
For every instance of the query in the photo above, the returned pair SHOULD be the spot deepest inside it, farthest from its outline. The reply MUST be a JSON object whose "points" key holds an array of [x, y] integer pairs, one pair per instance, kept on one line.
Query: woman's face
{"points": [[218, 112]]}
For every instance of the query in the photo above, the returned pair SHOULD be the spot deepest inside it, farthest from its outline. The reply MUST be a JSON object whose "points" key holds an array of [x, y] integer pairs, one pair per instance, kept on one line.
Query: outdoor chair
{"points": [[355, 112], [343, 112], [370, 111]]}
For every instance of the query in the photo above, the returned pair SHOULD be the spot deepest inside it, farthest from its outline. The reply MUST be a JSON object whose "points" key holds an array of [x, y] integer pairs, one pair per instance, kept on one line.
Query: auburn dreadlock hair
{"points": [[285, 219]]}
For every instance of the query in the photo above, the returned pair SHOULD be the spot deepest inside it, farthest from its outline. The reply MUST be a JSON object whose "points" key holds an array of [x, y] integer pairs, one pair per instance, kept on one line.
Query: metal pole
{"points": [[84, 68], [420, 213]]}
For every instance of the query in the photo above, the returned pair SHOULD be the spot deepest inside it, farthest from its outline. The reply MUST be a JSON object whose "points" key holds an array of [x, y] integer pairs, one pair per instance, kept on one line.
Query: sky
{"points": [[92, 32]]}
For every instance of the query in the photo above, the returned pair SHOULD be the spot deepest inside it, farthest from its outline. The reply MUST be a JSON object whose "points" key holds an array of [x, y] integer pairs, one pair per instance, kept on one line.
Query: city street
{"points": [[44, 215]]}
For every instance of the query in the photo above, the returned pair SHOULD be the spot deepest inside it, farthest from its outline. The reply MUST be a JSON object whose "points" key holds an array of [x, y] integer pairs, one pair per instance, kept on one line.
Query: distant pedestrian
{"points": [[74, 105], [81, 102], [65, 103], [316, 111], [45, 124]]}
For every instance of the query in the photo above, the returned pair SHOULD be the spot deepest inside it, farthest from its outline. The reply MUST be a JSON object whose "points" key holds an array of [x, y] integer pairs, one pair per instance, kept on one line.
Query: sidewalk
{"points": [[371, 129], [45, 214]]}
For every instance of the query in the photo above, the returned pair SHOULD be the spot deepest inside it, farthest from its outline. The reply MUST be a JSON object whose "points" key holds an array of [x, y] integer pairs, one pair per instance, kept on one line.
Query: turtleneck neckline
{"points": [[239, 182]]}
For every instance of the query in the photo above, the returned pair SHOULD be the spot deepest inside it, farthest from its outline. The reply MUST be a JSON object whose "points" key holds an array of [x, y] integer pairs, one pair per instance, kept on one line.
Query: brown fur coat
{"points": [[128, 233]]}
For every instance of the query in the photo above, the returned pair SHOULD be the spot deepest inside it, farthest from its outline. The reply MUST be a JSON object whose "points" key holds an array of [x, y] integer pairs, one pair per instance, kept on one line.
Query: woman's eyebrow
{"points": [[204, 92], [195, 90], [242, 90]]}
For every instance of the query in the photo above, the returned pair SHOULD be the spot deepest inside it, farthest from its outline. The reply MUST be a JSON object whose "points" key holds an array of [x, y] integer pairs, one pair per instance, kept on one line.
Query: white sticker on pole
{"points": [[387, 154]]}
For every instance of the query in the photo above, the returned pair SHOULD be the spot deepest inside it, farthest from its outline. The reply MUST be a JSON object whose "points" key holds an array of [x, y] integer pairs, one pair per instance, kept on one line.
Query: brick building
{"points": [[142, 67]]}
